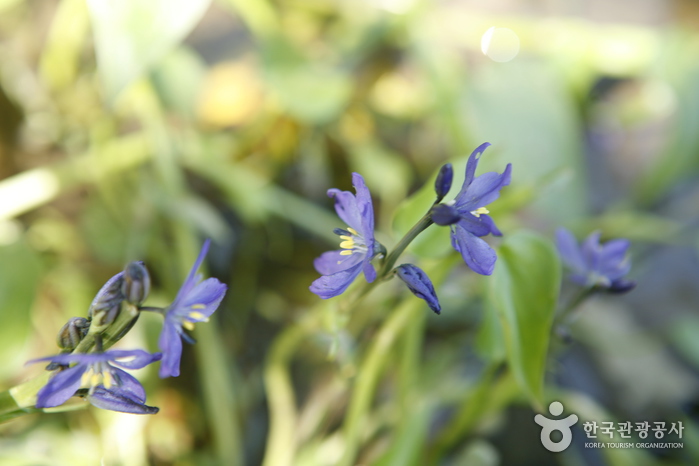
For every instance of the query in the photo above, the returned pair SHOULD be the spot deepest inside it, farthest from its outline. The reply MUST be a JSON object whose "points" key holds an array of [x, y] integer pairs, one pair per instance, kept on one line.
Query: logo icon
{"points": [[561, 425]]}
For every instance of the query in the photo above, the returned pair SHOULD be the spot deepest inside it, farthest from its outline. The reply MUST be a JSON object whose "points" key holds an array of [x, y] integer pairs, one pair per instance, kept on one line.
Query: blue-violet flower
{"points": [[108, 386], [340, 268], [420, 284], [467, 216], [195, 302], [594, 264]]}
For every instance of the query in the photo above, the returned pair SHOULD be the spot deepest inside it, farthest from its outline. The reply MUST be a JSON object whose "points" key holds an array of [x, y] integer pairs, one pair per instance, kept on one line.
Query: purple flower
{"points": [[195, 302], [340, 268], [108, 386], [420, 284], [467, 216], [594, 264]]}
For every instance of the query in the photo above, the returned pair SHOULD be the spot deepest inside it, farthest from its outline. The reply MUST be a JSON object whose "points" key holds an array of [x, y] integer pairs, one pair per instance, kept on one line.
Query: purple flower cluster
{"points": [[99, 376], [466, 215]]}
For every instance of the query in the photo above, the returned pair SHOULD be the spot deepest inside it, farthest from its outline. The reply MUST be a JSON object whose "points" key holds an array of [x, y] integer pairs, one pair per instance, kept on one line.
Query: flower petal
{"points": [[170, 344], [591, 251], [129, 384], [365, 208], [369, 270], [119, 400], [346, 208], [477, 254], [329, 286], [140, 359], [475, 225], [569, 250], [471, 166], [207, 296], [61, 387], [484, 190], [420, 284], [332, 262]]}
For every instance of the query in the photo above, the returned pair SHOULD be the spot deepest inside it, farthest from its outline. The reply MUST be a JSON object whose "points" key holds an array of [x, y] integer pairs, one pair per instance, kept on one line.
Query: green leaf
{"points": [[410, 438], [19, 277], [524, 292], [133, 35], [313, 92]]}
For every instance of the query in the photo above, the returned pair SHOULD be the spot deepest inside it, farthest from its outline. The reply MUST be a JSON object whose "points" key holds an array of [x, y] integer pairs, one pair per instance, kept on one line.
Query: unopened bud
{"points": [[72, 333], [136, 284], [106, 305], [442, 184]]}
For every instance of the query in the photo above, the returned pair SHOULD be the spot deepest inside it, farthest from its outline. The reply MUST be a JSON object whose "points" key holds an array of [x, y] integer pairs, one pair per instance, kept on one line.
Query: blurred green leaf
{"points": [[490, 341], [679, 159], [312, 91], [524, 291], [387, 173], [410, 439], [132, 35], [525, 111], [683, 333], [19, 277], [178, 78]]}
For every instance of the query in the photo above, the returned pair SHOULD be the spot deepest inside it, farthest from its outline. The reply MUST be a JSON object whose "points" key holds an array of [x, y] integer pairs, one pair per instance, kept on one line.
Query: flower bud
{"points": [[72, 333], [442, 184], [107, 303], [420, 284], [136, 284], [443, 214]]}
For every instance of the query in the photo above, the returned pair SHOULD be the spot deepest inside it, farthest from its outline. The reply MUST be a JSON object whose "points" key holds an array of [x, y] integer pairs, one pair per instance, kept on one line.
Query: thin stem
{"points": [[391, 259]]}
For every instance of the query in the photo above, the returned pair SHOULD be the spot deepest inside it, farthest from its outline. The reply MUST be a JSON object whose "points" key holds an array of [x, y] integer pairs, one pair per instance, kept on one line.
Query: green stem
{"points": [[391, 259], [369, 373], [565, 316], [281, 440]]}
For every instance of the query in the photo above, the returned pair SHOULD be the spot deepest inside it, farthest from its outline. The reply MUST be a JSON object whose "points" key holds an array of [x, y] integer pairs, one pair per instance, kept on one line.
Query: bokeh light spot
{"points": [[500, 44]]}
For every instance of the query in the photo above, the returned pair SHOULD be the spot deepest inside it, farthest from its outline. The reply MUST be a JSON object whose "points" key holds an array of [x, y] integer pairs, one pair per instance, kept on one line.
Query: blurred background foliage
{"points": [[134, 129]]}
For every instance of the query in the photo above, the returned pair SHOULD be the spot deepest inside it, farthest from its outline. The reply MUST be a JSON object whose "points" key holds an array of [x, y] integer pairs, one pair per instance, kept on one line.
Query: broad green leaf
{"points": [[524, 292], [490, 341], [132, 35]]}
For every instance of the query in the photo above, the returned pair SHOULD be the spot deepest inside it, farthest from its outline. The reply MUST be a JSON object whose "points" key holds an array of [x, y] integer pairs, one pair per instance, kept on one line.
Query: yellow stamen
{"points": [[346, 252], [347, 244], [353, 231], [95, 380], [188, 325], [198, 316], [107, 381], [85, 379], [479, 211], [198, 306]]}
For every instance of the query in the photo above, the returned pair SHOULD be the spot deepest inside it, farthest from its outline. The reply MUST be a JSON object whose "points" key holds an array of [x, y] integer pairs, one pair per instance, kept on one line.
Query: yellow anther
{"points": [[188, 325], [198, 306], [346, 252], [107, 381], [86, 377], [347, 244], [198, 316], [95, 379], [479, 211], [353, 231]]}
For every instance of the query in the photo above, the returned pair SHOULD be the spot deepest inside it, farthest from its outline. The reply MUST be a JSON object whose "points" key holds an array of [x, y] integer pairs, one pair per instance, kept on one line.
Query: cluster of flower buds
{"points": [[86, 368]]}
